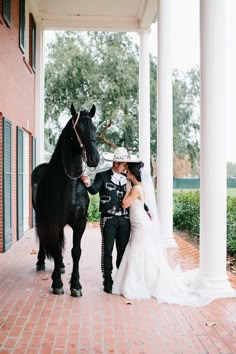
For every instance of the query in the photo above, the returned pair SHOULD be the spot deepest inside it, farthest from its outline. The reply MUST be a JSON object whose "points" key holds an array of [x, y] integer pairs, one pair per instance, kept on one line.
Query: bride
{"points": [[144, 271]]}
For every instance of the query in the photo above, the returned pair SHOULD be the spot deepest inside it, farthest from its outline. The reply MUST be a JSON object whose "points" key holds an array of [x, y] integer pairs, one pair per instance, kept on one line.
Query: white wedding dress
{"points": [[144, 271]]}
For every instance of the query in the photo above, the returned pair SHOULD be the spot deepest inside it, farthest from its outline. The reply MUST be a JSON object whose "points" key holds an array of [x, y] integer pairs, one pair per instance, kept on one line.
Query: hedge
{"points": [[93, 210], [186, 216]]}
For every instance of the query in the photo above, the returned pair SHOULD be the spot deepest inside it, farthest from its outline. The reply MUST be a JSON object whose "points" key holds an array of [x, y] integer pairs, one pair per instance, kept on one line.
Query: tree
{"points": [[100, 68], [153, 106], [186, 121]]}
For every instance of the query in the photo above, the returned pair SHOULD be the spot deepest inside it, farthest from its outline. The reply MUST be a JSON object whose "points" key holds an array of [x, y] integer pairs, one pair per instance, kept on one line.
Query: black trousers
{"points": [[114, 229]]}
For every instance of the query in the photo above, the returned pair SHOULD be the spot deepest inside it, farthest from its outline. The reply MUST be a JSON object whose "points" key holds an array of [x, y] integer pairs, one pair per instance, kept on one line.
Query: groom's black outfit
{"points": [[115, 223]]}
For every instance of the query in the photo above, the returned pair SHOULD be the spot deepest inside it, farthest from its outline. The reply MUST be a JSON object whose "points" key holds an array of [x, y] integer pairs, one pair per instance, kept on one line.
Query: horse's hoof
{"points": [[76, 292], [40, 267], [58, 291]]}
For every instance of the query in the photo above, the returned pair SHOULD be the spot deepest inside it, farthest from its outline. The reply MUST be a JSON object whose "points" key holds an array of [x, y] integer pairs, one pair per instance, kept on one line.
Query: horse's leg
{"points": [[75, 286], [57, 285], [62, 265], [40, 265]]}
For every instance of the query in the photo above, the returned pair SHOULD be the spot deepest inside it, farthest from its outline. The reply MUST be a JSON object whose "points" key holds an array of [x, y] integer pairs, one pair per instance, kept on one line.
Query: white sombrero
{"points": [[120, 155]]}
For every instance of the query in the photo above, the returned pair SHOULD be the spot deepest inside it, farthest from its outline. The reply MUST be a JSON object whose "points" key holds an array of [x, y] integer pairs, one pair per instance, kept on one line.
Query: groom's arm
{"points": [[96, 185], [147, 210]]}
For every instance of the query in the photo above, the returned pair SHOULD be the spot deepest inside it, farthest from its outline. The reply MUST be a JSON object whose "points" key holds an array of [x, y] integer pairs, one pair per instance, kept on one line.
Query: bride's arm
{"points": [[130, 197], [128, 190]]}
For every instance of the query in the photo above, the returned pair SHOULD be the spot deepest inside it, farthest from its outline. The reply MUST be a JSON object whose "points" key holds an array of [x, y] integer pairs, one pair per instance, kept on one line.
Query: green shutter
{"points": [[33, 44], [6, 11], [20, 187], [7, 177]]}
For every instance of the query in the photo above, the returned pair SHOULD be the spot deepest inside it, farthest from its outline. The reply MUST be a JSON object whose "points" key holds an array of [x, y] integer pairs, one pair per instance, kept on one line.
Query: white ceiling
{"points": [[109, 15]]}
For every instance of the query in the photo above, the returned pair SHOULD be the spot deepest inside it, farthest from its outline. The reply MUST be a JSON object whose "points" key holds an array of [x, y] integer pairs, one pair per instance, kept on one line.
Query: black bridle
{"points": [[83, 148]]}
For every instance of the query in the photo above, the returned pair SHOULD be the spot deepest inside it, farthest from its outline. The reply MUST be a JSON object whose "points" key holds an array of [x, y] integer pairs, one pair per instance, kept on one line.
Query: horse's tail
{"points": [[51, 238], [49, 207]]}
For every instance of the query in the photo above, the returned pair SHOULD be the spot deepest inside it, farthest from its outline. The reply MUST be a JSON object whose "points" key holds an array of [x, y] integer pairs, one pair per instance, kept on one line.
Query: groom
{"points": [[114, 223]]}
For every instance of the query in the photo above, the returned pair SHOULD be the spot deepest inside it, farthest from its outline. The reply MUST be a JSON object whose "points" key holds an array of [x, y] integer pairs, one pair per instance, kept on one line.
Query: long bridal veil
{"points": [[150, 200], [172, 286]]}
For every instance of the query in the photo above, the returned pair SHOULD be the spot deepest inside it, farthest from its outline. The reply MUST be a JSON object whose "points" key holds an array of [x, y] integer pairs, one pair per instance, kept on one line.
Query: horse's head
{"points": [[85, 134]]}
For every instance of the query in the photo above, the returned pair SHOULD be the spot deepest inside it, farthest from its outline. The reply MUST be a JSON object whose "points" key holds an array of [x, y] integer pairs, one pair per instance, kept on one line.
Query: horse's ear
{"points": [[72, 110], [92, 111]]}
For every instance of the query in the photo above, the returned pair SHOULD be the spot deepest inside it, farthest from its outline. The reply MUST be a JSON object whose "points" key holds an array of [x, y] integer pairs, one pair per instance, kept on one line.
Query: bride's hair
{"points": [[135, 169]]}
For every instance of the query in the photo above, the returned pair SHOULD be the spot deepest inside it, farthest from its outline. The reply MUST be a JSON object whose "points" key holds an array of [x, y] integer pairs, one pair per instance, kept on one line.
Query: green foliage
{"points": [[93, 211], [99, 68], [153, 107], [186, 121], [231, 225], [117, 65], [186, 214], [231, 192], [102, 68]]}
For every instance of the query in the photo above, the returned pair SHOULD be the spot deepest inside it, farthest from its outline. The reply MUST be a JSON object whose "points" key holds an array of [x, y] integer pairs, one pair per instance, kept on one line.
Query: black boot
{"points": [[107, 285]]}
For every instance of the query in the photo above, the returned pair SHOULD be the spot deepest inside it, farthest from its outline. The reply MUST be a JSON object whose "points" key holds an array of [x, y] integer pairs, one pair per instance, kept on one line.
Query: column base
{"points": [[213, 288]]}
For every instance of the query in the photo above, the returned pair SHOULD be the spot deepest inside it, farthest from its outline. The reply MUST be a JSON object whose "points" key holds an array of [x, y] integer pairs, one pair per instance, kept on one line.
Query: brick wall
{"points": [[17, 98], [1, 188]]}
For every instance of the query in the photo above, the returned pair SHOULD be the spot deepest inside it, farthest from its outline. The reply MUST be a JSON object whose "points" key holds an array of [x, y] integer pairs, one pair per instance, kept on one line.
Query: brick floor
{"points": [[33, 320]]}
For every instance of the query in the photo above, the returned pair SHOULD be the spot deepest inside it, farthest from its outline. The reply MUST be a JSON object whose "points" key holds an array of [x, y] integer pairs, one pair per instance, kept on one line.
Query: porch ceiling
{"points": [[106, 15]]}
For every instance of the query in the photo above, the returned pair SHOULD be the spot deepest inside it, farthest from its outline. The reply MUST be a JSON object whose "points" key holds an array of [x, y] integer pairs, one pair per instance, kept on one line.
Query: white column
{"points": [[212, 277], [39, 96], [165, 124], [231, 76], [144, 99]]}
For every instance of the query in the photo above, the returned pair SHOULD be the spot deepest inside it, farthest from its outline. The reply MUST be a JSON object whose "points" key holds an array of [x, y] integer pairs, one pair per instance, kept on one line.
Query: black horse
{"points": [[60, 197]]}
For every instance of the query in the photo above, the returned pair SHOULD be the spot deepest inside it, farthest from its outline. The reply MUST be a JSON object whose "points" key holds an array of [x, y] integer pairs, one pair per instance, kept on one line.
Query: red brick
{"points": [[17, 103]]}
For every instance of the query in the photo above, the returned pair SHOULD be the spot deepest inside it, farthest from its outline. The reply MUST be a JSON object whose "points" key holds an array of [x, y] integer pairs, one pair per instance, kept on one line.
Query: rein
{"points": [[78, 137]]}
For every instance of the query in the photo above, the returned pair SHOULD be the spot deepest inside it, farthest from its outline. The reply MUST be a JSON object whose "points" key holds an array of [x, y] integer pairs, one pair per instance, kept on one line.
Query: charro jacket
{"points": [[111, 194]]}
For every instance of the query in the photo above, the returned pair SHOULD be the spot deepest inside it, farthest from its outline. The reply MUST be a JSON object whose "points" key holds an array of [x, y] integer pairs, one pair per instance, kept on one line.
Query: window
{"points": [[27, 31], [6, 11], [32, 42], [22, 25]]}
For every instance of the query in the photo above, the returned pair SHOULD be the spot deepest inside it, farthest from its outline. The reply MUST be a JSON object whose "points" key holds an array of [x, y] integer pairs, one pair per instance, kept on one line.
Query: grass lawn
{"points": [[231, 192]]}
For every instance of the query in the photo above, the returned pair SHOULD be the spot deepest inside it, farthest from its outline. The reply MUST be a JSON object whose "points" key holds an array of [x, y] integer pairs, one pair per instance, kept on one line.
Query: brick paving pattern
{"points": [[33, 320]]}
